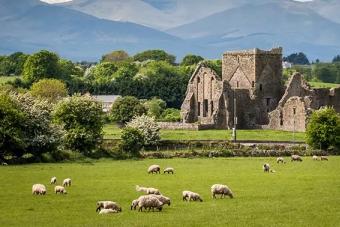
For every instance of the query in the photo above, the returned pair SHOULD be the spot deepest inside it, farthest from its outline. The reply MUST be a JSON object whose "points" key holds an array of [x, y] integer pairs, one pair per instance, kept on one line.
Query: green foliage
{"points": [[66, 69], [191, 59], [43, 64], [216, 65], [82, 119], [157, 55], [12, 64], [155, 107], [132, 140], [327, 72], [323, 129], [125, 108], [171, 115], [50, 89], [297, 58], [115, 56], [336, 59], [104, 71]]}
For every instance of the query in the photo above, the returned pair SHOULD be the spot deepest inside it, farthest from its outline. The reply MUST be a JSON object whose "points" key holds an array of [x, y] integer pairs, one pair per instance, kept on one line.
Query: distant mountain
{"points": [[285, 23], [33, 25]]}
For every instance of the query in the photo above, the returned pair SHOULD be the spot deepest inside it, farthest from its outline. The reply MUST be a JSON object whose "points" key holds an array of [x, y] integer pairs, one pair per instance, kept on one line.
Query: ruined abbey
{"points": [[251, 94]]}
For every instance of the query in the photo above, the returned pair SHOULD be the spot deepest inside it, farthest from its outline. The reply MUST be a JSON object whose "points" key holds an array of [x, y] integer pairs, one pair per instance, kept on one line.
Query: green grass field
{"points": [[4, 79], [298, 194], [113, 132], [323, 85]]}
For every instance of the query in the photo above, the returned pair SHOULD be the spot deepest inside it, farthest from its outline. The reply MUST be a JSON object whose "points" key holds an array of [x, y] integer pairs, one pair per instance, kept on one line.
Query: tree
{"points": [[43, 64], [323, 129], [297, 58], [336, 59], [115, 56], [104, 71], [132, 140], [148, 127], [82, 119], [157, 55], [66, 68], [171, 115], [155, 107], [191, 59], [18, 59], [51, 89], [125, 108]]}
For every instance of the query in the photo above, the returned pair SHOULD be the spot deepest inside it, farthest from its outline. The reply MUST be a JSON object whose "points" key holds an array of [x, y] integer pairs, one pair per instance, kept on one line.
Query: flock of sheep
{"points": [[40, 189]]}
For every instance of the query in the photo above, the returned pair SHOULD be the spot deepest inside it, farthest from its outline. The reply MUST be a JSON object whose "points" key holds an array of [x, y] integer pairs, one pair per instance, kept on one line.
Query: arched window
{"points": [[198, 79], [237, 84], [252, 84]]}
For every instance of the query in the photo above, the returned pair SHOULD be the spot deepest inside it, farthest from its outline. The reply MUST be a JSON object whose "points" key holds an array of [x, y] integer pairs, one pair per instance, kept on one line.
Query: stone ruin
{"points": [[250, 92]]}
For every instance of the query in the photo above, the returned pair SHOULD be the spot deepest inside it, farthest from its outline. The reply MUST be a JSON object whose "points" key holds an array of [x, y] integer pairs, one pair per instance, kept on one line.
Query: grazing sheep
{"points": [[67, 182], [4, 164], [38, 189], [296, 158], [154, 169], [220, 189], [53, 180], [169, 170], [188, 196], [107, 211], [108, 205], [315, 158], [324, 158], [147, 190], [266, 167], [163, 199], [134, 204], [280, 159], [60, 189], [149, 202]]}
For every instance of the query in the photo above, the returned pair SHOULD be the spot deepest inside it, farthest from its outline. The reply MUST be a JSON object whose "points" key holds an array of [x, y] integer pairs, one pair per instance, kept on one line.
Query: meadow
{"points": [[111, 131], [297, 194], [323, 85], [4, 79]]}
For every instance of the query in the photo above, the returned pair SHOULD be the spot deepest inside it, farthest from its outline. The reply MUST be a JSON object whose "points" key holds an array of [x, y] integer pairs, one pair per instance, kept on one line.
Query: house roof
{"points": [[106, 98]]}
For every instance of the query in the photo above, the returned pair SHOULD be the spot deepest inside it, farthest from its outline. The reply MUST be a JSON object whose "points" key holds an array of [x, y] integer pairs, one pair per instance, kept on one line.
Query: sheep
{"points": [[149, 201], [169, 170], [266, 167], [67, 182], [191, 196], [315, 158], [134, 204], [147, 190], [217, 189], [108, 205], [4, 164], [60, 189], [53, 180], [324, 158], [296, 158], [38, 189], [154, 169], [163, 199], [107, 211], [280, 159]]}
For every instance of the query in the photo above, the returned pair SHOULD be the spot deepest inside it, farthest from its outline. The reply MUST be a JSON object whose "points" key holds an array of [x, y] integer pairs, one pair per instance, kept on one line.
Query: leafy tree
{"points": [[82, 119], [132, 140], [171, 115], [104, 71], [336, 59], [157, 55], [326, 72], [43, 64], [115, 56], [125, 108], [191, 59], [323, 129], [6, 66], [148, 127], [155, 107], [18, 59], [50, 89], [297, 58], [66, 69]]}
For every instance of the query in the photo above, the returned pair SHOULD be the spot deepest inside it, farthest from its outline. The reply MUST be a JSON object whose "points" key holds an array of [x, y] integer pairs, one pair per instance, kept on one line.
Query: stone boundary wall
{"points": [[188, 126]]}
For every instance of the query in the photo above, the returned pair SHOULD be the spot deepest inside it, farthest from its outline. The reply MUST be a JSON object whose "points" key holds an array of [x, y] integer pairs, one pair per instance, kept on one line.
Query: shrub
{"points": [[171, 115], [125, 108], [132, 141], [148, 127], [50, 89]]}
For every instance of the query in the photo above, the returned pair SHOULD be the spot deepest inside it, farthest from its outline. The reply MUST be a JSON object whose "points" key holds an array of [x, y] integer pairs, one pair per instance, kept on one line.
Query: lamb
{"points": [[67, 182], [280, 159], [217, 189], [38, 189], [324, 158], [191, 196], [53, 180], [315, 158], [296, 158], [149, 201], [60, 189], [108, 205], [154, 169], [266, 167], [107, 211], [147, 190], [169, 170]]}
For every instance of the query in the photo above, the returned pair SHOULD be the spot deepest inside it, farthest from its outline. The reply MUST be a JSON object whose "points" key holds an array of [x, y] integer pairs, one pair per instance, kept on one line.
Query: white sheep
{"points": [[53, 180], [149, 201], [38, 189], [108, 205], [60, 189], [169, 170], [315, 158], [107, 211], [266, 167], [296, 158], [220, 189], [324, 158], [67, 182], [4, 164], [134, 204], [189, 195], [280, 159], [163, 199], [147, 190], [154, 169]]}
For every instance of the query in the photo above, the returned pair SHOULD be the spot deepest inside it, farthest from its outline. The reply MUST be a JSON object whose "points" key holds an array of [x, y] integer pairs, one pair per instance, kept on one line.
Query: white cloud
{"points": [[303, 0], [55, 1]]}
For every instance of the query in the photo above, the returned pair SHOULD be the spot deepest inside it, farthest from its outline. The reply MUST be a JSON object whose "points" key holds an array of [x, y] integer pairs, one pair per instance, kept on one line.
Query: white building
{"points": [[106, 100]]}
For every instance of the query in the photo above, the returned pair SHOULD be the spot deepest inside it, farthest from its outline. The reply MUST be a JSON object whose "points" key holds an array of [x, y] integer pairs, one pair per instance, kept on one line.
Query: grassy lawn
{"points": [[4, 79], [323, 85], [113, 132], [298, 194]]}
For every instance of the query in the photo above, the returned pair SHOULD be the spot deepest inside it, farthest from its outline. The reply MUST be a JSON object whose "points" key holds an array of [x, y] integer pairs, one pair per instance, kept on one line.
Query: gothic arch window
{"points": [[237, 84], [252, 84], [198, 79]]}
